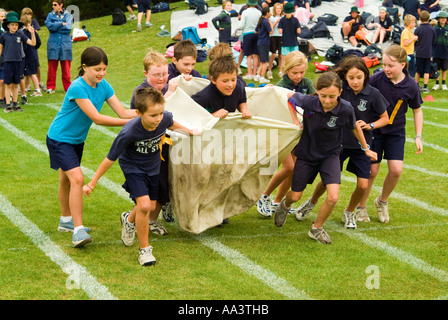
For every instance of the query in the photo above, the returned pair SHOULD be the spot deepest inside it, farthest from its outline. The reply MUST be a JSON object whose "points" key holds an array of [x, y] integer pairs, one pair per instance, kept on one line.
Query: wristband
{"points": [[372, 126], [418, 136], [368, 148], [89, 187]]}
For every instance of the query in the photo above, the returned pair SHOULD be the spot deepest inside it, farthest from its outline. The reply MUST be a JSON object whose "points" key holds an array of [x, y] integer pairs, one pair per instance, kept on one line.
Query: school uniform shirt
{"points": [[31, 51], [305, 86], [407, 90], [263, 33], [173, 72], [71, 124], [322, 131], [145, 84], [12, 46], [368, 105], [273, 20], [223, 20], [355, 26], [249, 20], [411, 7], [386, 23], [211, 99], [440, 49], [426, 40], [289, 31], [137, 149]]}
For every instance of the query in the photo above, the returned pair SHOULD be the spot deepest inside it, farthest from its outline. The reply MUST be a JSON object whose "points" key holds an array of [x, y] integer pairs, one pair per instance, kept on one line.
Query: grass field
{"points": [[248, 259]]}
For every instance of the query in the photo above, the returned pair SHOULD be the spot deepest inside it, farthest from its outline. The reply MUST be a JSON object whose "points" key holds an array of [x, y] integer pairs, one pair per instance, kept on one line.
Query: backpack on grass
{"points": [[118, 17], [160, 7]]}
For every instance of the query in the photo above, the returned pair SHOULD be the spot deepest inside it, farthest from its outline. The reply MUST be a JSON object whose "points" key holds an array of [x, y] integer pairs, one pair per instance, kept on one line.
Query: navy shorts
{"points": [[250, 44], [129, 2], [358, 163], [442, 64], [139, 185], [13, 71], [30, 67], [276, 44], [389, 146], [143, 5], [423, 65], [305, 172], [63, 155], [263, 53], [1, 71]]}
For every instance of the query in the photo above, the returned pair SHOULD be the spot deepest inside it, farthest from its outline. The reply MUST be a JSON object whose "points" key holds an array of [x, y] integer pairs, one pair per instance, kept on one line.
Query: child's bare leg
{"points": [[374, 169], [393, 176], [75, 195], [358, 193], [328, 205], [140, 215]]}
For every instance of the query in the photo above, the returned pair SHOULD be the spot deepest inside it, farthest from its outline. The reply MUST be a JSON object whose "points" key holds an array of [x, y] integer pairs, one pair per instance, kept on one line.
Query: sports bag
{"points": [[329, 19], [371, 61], [118, 17], [160, 7], [320, 30], [334, 54]]}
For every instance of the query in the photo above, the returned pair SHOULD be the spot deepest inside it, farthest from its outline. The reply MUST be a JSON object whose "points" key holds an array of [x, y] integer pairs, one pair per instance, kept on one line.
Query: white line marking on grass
{"points": [[435, 109], [245, 264], [429, 145], [87, 282], [436, 124]]}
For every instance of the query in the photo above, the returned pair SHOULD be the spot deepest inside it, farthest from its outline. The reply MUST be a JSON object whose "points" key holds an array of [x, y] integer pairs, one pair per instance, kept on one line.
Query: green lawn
{"points": [[248, 259]]}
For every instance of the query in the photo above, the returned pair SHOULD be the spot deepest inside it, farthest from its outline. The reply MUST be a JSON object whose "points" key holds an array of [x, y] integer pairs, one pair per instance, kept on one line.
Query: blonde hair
{"points": [[222, 49], [27, 10], [293, 59], [274, 9], [153, 58], [25, 19], [408, 19]]}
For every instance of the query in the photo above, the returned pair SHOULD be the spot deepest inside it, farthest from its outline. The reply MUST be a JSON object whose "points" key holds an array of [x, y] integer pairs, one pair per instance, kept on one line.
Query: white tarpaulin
{"points": [[224, 171]]}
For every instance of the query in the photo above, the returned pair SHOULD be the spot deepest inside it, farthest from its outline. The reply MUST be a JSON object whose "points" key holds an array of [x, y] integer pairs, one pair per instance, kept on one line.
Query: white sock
{"points": [[66, 219], [77, 229]]}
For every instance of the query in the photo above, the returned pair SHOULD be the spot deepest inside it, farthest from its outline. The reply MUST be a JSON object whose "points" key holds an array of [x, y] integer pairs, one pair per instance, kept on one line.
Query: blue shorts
{"points": [[1, 71], [263, 53], [250, 44], [389, 146], [63, 155], [30, 67], [305, 172], [423, 65], [358, 164], [143, 5], [139, 185], [286, 50], [13, 71]]}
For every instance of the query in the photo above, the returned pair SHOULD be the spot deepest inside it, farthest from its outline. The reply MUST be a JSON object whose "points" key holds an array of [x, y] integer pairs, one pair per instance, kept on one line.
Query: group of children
{"points": [[19, 60], [143, 9]]}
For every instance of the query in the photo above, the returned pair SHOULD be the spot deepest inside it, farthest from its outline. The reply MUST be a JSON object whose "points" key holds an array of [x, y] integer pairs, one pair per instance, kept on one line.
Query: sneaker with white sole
{"points": [[436, 87], [132, 17], [157, 228], [145, 257], [304, 209], [68, 226], [42, 86], [36, 94], [50, 91], [81, 238], [444, 87], [257, 78], [139, 27], [362, 215], [167, 212], [269, 75], [280, 214], [248, 77], [128, 230], [263, 80], [383, 210], [320, 235], [264, 206], [349, 219]]}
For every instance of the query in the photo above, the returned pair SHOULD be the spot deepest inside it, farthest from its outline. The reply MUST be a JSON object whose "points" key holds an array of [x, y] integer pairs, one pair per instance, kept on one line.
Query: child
{"points": [[2, 85], [289, 28], [324, 117], [129, 4], [225, 93], [440, 50], [248, 23], [384, 27], [370, 111], [294, 79], [137, 147], [223, 22], [31, 57], [407, 41], [402, 92], [263, 30], [184, 60], [11, 43], [423, 49], [65, 141], [351, 25], [411, 7], [144, 7], [276, 38]]}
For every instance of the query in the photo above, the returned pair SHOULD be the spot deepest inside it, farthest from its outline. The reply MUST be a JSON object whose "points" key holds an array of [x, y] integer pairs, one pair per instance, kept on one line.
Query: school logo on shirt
{"points": [[332, 121], [362, 105], [19, 40]]}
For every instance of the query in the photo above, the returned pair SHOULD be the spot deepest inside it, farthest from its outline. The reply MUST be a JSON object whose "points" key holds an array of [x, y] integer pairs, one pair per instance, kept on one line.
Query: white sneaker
{"points": [[145, 257], [157, 228], [132, 17], [280, 74], [362, 215], [128, 230], [36, 94], [436, 87], [248, 77], [383, 210], [264, 206], [257, 78], [304, 209], [349, 220], [269, 75], [444, 87], [320, 235], [263, 80]]}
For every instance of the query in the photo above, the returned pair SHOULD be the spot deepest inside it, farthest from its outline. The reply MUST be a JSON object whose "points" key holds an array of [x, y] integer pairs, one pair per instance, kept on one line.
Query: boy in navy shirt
{"points": [[423, 49], [138, 148], [11, 47], [224, 94], [184, 60]]}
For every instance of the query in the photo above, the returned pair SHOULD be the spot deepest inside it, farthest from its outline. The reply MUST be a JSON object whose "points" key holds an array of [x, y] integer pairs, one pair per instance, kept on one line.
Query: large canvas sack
{"points": [[223, 172]]}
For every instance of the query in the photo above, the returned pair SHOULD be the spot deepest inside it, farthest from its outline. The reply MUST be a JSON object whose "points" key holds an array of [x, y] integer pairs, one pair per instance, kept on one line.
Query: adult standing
{"points": [[59, 46]]}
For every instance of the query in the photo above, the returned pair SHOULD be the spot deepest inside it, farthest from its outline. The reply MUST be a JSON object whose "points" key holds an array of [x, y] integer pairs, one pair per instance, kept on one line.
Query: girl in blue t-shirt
{"points": [[68, 131]]}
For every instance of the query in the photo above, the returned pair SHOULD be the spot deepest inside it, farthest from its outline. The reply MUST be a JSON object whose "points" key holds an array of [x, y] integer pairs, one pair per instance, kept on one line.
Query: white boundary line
{"points": [[77, 272]]}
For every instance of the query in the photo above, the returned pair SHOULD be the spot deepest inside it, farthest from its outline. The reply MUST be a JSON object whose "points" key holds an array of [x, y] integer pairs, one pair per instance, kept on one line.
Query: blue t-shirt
{"points": [[289, 31], [322, 131], [263, 33], [12, 46], [71, 124], [137, 148]]}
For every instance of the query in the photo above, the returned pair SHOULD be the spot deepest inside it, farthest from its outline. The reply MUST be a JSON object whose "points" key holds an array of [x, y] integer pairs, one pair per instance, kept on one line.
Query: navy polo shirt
{"points": [[426, 40], [289, 31], [322, 131], [387, 23], [356, 25], [173, 72], [263, 33], [213, 100], [12, 46], [406, 90], [368, 105], [411, 7], [145, 84]]}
